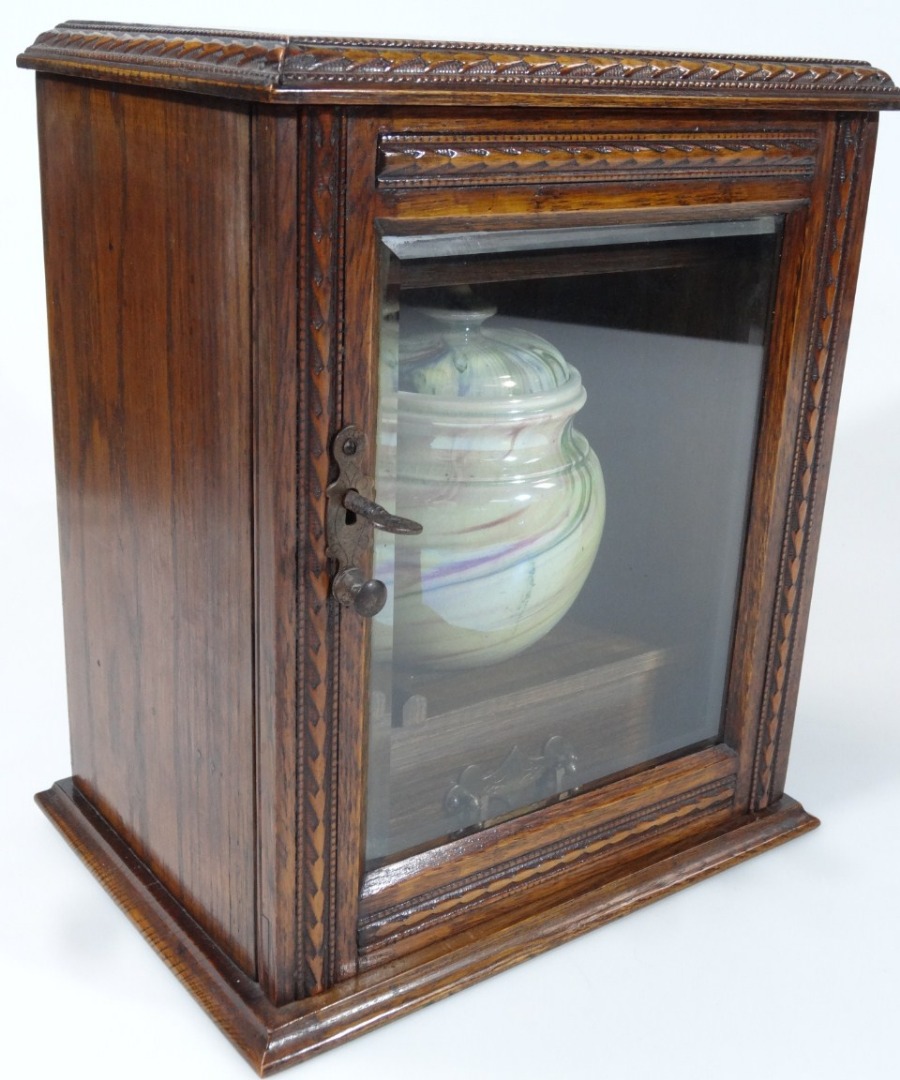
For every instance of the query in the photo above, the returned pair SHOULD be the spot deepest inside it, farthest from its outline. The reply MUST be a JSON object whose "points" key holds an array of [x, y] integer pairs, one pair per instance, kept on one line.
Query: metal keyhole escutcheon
{"points": [[352, 514]]}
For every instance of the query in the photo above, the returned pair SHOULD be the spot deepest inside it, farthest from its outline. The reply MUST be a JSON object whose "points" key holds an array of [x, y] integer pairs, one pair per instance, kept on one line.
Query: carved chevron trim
{"points": [[435, 160], [813, 408], [440, 905], [321, 216], [274, 66]]}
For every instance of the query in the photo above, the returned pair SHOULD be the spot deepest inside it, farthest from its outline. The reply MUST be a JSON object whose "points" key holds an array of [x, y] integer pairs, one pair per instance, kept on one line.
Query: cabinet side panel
{"points": [[276, 379], [146, 212]]}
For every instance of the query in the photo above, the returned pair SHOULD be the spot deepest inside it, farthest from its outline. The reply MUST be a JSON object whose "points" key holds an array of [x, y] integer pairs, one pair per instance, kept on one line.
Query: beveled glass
{"points": [[571, 414]]}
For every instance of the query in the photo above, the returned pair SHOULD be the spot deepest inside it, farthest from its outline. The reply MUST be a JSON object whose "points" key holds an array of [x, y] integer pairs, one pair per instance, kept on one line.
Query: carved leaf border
{"points": [[433, 160], [275, 64]]}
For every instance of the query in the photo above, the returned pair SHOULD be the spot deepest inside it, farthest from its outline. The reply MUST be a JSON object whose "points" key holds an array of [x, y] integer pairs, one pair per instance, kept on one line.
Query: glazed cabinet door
{"points": [[571, 416], [572, 403]]}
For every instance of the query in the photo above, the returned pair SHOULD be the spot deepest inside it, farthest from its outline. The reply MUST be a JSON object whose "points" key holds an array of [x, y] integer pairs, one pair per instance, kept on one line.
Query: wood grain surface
{"points": [[272, 1038], [290, 69], [150, 358], [215, 275]]}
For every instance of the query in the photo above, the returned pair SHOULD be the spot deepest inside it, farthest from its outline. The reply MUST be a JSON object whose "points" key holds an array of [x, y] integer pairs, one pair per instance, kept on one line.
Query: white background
{"points": [[785, 967]]}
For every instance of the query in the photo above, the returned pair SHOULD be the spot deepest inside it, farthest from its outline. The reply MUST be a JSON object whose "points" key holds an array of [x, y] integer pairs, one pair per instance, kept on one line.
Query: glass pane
{"points": [[571, 414]]}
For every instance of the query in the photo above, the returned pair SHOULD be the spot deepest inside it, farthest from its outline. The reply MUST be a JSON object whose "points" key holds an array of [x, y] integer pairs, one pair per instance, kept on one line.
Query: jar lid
{"points": [[457, 353]]}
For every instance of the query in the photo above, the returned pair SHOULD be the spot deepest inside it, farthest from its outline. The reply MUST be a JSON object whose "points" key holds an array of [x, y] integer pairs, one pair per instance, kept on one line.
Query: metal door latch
{"points": [[351, 516]]}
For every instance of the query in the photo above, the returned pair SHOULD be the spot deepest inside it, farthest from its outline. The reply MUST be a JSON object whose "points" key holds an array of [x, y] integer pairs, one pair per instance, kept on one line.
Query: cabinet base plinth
{"points": [[273, 1038]]}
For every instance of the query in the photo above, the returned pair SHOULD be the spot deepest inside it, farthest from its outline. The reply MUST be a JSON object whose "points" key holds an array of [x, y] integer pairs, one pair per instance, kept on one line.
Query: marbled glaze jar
{"points": [[477, 443]]}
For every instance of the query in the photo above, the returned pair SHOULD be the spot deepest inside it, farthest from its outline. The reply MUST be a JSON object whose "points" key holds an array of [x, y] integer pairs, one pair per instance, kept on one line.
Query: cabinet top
{"points": [[274, 68]]}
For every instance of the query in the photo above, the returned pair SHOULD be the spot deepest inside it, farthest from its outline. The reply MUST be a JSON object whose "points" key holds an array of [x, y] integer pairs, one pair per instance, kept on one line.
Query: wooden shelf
{"points": [[591, 690]]}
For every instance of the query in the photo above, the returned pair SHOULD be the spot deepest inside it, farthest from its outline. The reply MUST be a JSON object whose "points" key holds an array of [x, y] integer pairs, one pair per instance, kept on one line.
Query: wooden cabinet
{"points": [[442, 435]]}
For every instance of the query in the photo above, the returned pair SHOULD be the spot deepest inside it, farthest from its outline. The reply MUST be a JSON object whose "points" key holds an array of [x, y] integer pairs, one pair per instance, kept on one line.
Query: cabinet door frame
{"points": [[813, 174]]}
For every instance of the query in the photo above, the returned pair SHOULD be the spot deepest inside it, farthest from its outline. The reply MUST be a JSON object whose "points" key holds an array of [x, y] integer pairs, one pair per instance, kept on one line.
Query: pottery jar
{"points": [[476, 442]]}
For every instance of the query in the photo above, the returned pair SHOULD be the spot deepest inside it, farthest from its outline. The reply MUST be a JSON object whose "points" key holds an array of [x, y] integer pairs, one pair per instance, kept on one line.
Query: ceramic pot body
{"points": [[509, 494]]}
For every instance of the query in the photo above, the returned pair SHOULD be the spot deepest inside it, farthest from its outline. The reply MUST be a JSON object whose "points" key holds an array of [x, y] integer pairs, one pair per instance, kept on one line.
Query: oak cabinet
{"points": [[441, 439]]}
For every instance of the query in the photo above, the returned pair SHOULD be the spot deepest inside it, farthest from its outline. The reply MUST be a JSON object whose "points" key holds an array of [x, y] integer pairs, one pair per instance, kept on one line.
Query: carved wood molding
{"points": [[383, 61], [821, 358], [435, 160], [468, 894], [321, 217], [226, 55], [273, 1039], [277, 67]]}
